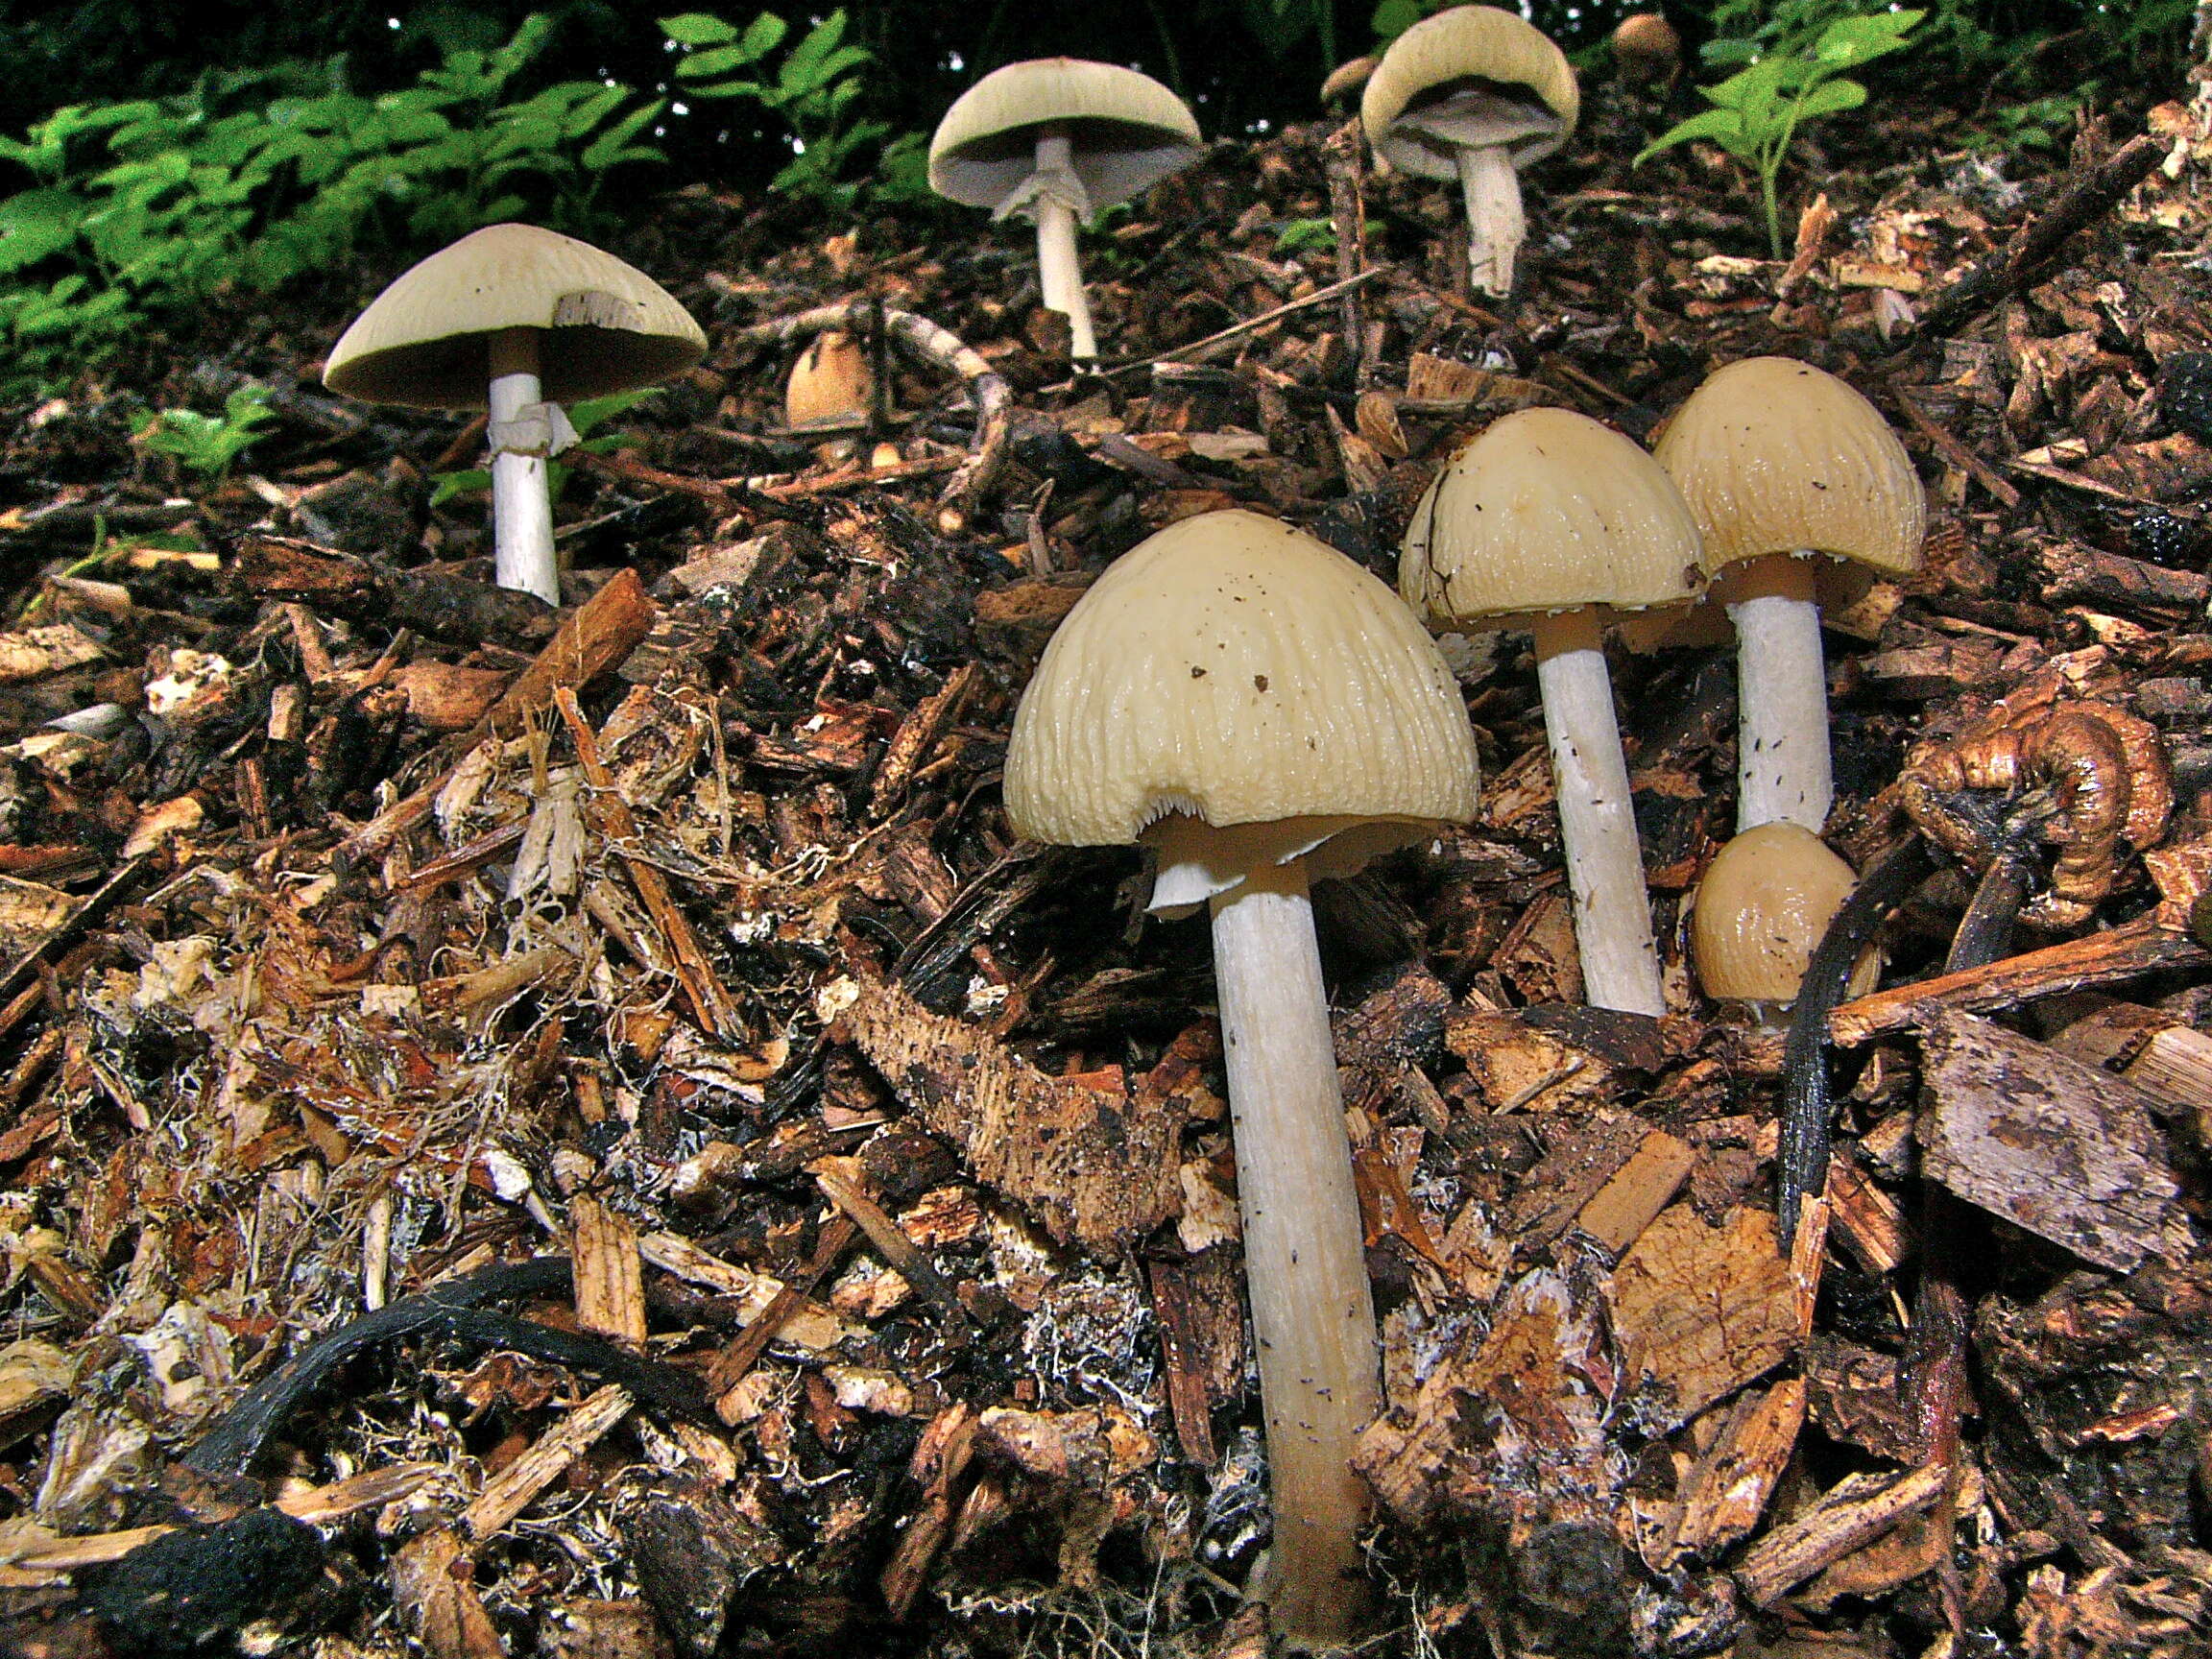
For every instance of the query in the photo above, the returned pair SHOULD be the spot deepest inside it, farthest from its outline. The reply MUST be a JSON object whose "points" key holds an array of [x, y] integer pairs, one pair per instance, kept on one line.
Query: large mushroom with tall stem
{"points": [[517, 320], [1552, 524], [1474, 94], [1263, 712], [1058, 140], [1804, 496]]}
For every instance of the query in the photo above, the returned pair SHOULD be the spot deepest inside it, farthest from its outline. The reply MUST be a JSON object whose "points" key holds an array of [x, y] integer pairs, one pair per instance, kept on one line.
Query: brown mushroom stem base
{"points": [[1496, 226], [1597, 817], [1305, 1258], [521, 493], [1784, 773], [1058, 273]]}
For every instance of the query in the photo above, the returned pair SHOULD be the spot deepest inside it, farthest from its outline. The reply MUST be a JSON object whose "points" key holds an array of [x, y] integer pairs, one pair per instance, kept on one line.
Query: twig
{"points": [[1319, 297], [734, 1362], [898, 1250], [2088, 195], [1347, 214]]}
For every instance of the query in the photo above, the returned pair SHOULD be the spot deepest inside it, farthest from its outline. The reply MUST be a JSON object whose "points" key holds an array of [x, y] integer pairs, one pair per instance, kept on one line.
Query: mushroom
{"points": [[1804, 496], [1552, 524], [1264, 713], [1058, 140], [1647, 48], [830, 385], [520, 321], [1473, 93], [1765, 901]]}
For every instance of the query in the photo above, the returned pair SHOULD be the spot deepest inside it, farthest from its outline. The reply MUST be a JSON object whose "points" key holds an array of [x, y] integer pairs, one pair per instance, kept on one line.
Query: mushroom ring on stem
{"points": [[1057, 140], [1552, 524], [1264, 714], [1804, 496], [1477, 94], [517, 320]]}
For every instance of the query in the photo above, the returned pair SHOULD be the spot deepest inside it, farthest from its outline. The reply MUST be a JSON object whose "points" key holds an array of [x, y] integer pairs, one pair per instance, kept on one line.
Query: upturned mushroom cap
{"points": [[1236, 669], [830, 384], [1776, 456], [1470, 76], [425, 340], [1766, 899], [1126, 132], [1544, 511]]}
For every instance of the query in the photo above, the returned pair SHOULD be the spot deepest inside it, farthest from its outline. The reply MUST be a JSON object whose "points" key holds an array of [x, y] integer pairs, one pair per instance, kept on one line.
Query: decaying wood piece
{"points": [[1725, 1491], [609, 1297], [435, 603], [1097, 1164], [1513, 1433], [2157, 939], [611, 815], [939, 1463], [514, 1487], [592, 638], [33, 652], [431, 1577], [1849, 1516], [1701, 1310], [2067, 1151]]}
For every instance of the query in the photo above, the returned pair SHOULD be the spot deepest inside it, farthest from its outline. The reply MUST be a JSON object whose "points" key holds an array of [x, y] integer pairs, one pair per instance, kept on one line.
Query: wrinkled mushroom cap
{"points": [[1238, 670], [1776, 456], [1765, 901], [1547, 509], [425, 341], [1125, 130], [830, 384], [1470, 76]]}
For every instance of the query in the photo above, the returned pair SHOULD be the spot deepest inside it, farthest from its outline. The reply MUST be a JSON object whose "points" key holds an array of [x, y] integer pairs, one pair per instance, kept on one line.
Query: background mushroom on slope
{"points": [[1058, 140], [1477, 94], [518, 321], [1804, 496], [1263, 712], [1553, 523]]}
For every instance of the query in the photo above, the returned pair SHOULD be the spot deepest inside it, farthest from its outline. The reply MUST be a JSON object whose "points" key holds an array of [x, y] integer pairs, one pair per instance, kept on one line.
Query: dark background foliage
{"points": [[1239, 62]]}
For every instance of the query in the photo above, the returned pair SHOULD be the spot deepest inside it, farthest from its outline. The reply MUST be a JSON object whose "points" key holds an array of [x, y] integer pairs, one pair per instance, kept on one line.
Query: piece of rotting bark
{"points": [[1701, 1310], [609, 1296], [695, 1549], [1851, 1514], [1633, 1197], [1520, 1068], [938, 1465], [432, 1586], [1097, 1164], [1726, 1489], [588, 1628], [2067, 1151], [513, 1490]]}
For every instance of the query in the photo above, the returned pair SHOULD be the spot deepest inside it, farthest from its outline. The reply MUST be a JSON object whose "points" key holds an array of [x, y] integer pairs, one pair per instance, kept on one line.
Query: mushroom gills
{"points": [[1480, 128]]}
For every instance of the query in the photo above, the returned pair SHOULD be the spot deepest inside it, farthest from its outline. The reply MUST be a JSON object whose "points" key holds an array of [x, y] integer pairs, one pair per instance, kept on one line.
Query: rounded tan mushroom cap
{"points": [[1766, 899], [1776, 456], [1547, 509], [1236, 669], [830, 384], [1126, 131], [425, 340], [1647, 46], [1470, 76]]}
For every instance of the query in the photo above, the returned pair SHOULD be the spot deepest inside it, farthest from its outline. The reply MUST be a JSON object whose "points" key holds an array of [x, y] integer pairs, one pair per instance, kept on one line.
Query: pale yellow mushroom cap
{"points": [[1547, 509], [830, 384], [1236, 669], [1766, 899], [1126, 132], [425, 341], [1424, 101], [1776, 456]]}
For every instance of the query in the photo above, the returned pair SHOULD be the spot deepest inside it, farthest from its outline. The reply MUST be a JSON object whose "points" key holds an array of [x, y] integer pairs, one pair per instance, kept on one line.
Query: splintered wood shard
{"points": [[2067, 1150], [1097, 1165]]}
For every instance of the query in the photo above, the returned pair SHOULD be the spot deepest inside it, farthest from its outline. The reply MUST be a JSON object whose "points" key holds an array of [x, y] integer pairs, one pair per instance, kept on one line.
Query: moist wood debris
{"points": [[807, 1214]]}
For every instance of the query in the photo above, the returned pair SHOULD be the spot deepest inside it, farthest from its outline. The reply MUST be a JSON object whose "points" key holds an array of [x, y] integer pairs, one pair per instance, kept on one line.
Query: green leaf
{"points": [[1830, 98], [697, 28], [37, 224], [1721, 126], [715, 60]]}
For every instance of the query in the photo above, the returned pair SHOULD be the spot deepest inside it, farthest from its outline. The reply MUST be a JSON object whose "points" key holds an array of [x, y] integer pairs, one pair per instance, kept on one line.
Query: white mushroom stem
{"points": [[1305, 1256], [1784, 773], [1496, 226], [521, 493], [1596, 820], [1057, 270]]}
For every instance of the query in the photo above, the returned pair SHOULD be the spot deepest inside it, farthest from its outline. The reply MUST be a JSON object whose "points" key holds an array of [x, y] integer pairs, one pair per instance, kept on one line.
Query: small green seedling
{"points": [[1756, 113], [1296, 236], [209, 443]]}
